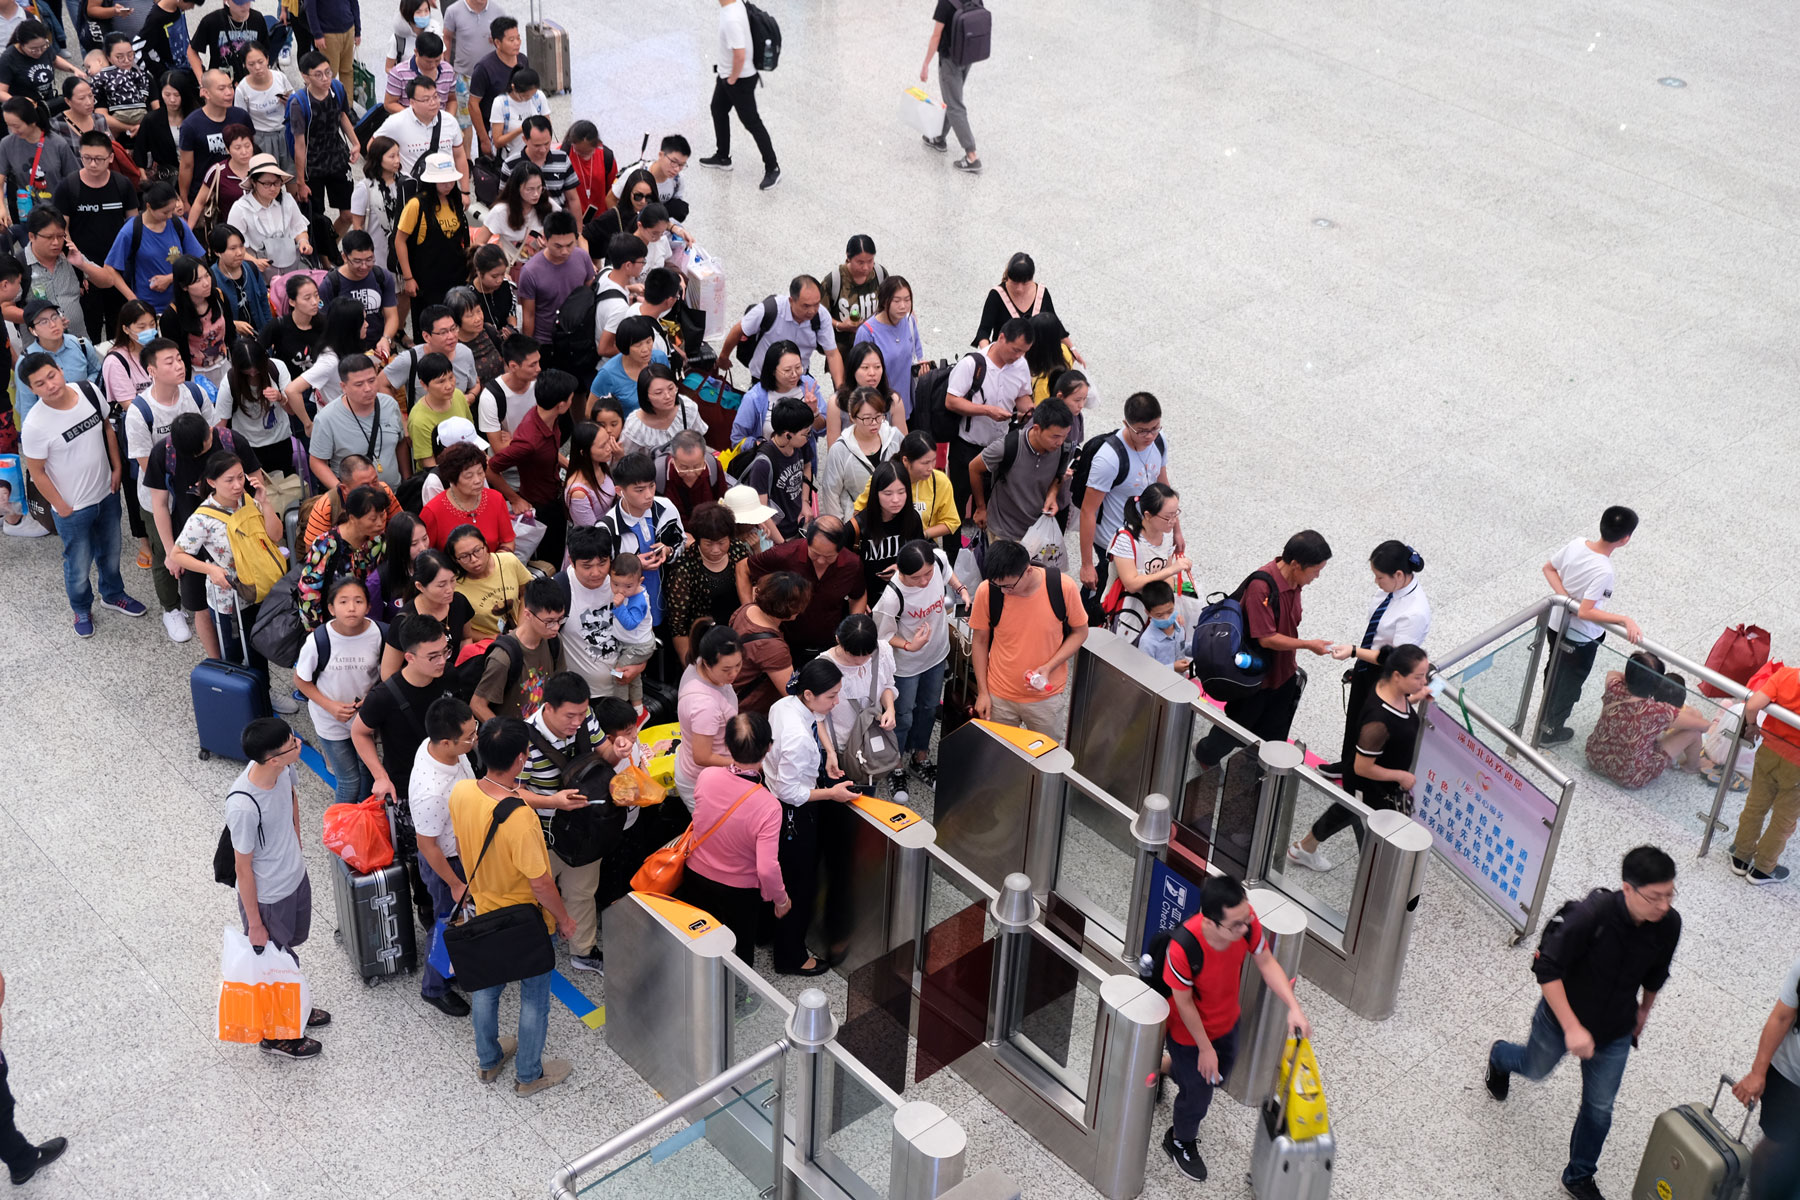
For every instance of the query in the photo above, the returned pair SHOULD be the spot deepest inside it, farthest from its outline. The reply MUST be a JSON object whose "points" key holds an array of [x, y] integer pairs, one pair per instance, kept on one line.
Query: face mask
{"points": [[1165, 623], [146, 336], [422, 19]]}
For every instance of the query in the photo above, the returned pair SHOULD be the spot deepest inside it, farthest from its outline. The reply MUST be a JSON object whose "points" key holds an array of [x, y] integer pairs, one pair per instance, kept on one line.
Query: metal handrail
{"points": [[562, 1184], [1446, 663]]}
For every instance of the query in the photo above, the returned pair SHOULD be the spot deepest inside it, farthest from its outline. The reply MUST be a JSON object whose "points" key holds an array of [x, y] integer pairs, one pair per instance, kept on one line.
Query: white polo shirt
{"points": [[414, 136]]}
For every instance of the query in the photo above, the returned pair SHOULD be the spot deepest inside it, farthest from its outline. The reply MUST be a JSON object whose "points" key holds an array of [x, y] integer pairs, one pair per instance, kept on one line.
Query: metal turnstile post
{"points": [[1128, 1057], [811, 1026], [928, 1152], [1150, 828], [1279, 761], [1013, 910], [1263, 1029], [1398, 847]]}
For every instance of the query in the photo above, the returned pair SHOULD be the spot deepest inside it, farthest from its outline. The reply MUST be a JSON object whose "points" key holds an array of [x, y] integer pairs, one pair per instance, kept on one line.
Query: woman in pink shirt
{"points": [[707, 701], [737, 823]]}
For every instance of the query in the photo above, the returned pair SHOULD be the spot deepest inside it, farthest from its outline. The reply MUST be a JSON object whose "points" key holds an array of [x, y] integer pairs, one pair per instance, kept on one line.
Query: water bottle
{"points": [[1247, 661], [902, 799]]}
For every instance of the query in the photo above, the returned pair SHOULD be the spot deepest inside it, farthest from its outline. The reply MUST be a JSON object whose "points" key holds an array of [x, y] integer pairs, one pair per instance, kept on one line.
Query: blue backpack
{"points": [[1227, 661], [304, 100]]}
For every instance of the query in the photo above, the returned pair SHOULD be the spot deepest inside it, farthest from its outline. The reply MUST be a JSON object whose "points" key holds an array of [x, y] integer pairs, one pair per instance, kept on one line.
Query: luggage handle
{"points": [[1726, 1081]]}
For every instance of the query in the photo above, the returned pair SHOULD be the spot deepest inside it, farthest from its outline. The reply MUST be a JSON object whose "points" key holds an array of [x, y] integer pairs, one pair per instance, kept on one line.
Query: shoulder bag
{"points": [[662, 871], [503, 946]]}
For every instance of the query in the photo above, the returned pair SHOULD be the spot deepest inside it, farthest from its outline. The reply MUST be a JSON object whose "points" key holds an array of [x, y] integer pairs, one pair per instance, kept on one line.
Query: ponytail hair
{"points": [[709, 641], [1401, 660], [1395, 557], [1152, 500], [818, 677]]}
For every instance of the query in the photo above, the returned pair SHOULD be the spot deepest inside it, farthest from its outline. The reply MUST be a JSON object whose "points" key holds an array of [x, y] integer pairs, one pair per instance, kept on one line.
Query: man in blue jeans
{"points": [[511, 868], [74, 460], [1600, 964]]}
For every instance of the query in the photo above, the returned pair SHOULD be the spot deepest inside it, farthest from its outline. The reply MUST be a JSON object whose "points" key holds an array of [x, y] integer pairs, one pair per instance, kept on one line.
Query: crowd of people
{"points": [[522, 511]]}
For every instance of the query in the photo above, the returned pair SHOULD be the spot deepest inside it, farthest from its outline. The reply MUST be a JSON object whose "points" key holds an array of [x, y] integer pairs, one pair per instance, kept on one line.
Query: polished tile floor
{"points": [[1458, 275]]}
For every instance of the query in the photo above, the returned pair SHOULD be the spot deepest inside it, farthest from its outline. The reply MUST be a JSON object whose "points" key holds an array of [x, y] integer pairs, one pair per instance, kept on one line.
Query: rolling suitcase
{"points": [[374, 918], [547, 45], [1691, 1157], [227, 697], [958, 705], [1284, 1166]]}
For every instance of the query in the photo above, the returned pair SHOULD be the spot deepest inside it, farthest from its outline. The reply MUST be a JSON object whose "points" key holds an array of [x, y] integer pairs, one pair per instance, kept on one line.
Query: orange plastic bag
{"points": [[633, 786], [260, 995], [358, 834]]}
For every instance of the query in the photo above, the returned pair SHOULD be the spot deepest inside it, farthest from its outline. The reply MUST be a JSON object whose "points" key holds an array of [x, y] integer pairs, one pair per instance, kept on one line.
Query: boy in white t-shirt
{"points": [[589, 639], [506, 116], [1582, 571], [441, 763]]}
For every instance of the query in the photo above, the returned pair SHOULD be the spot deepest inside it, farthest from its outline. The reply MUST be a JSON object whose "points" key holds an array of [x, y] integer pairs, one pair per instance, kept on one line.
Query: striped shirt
{"points": [[559, 173]]}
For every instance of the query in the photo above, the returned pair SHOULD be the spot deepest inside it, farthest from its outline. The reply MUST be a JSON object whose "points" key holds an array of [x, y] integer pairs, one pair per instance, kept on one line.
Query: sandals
{"points": [[1739, 781]]}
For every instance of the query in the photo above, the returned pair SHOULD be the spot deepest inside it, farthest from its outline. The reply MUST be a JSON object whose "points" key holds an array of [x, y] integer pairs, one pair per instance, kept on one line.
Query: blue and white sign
{"points": [[1173, 899]]}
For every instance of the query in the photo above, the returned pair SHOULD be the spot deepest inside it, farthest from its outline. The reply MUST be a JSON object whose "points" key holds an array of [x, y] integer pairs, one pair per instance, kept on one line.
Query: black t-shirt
{"points": [[944, 14], [29, 76], [96, 214], [490, 79], [186, 483], [1388, 736], [374, 291], [218, 38], [997, 311], [154, 53], [205, 138], [461, 613], [780, 476], [401, 732], [880, 547], [293, 345]]}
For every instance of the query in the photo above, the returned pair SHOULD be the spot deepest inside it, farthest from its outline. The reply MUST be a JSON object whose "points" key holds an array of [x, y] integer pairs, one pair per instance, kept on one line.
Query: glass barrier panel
{"points": [[1095, 863], [686, 1162], [955, 970], [1059, 1010], [1215, 814], [1496, 678], [1324, 889], [756, 1019], [855, 1127]]}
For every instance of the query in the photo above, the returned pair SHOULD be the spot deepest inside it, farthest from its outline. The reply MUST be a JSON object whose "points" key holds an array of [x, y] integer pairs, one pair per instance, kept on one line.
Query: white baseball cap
{"points": [[453, 430]]}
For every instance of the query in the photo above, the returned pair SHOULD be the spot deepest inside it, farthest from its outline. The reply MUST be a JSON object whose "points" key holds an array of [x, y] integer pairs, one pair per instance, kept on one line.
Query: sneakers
{"points": [[126, 605], [1739, 866], [556, 1070], [897, 780], [318, 1018], [1499, 1082], [47, 1153], [925, 772], [509, 1046], [450, 1004], [1758, 879], [592, 961], [718, 162], [176, 626], [292, 1047], [971, 166], [284, 703], [1185, 1156], [1583, 1189], [1556, 737], [1333, 771], [84, 625], [769, 180], [1312, 860], [940, 143]]}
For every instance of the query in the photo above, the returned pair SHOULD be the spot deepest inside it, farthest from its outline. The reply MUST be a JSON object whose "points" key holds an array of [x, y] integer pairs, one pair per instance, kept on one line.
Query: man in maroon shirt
{"points": [[533, 450], [1271, 598], [688, 475], [818, 556]]}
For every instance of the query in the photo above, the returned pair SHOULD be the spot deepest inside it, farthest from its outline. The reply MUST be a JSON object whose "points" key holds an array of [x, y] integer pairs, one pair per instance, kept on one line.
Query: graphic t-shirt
{"points": [[527, 695], [73, 443], [590, 637], [781, 476], [353, 667]]}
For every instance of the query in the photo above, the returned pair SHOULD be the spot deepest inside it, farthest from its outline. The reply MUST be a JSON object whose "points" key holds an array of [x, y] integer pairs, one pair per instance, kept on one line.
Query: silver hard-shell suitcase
{"points": [[374, 918], [1283, 1169], [547, 46], [1690, 1156]]}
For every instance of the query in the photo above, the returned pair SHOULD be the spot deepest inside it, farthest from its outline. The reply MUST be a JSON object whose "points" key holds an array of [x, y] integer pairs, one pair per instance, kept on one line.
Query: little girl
{"points": [[338, 666]]}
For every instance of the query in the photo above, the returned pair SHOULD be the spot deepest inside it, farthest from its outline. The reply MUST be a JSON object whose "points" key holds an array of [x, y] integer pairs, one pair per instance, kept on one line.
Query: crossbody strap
{"points": [[716, 825], [501, 813]]}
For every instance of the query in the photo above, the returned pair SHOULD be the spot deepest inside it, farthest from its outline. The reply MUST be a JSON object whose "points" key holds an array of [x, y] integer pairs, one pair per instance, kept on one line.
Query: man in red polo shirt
{"points": [[1204, 1008], [533, 450], [1774, 783], [821, 557]]}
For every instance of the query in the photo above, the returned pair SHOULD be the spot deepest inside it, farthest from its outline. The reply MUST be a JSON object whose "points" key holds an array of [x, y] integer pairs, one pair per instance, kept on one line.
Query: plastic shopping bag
{"points": [[528, 535], [359, 834], [705, 276], [1044, 542], [922, 112], [260, 995], [633, 786], [439, 958]]}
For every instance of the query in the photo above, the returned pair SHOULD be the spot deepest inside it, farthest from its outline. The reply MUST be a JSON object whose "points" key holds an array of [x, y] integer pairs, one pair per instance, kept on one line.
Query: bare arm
{"points": [[1277, 981], [1774, 1030], [745, 593], [363, 738], [931, 49], [543, 887], [246, 879], [433, 855]]}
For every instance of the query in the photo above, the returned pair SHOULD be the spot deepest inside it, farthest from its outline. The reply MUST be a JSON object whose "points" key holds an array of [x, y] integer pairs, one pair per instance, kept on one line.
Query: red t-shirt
{"points": [[493, 518], [1216, 991]]}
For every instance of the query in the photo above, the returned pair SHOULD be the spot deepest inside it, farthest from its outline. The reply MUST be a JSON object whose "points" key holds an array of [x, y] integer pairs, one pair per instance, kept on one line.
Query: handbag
{"points": [[499, 947], [1737, 654], [662, 871]]}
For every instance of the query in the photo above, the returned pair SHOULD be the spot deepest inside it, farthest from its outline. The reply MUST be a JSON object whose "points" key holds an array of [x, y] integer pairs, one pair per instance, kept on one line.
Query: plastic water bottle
{"points": [[1036, 682], [1247, 661], [902, 799]]}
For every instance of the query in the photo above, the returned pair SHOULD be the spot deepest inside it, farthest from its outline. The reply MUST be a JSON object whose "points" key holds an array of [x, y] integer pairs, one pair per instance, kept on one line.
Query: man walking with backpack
{"points": [[1200, 976], [1600, 964], [1028, 624], [1026, 468], [735, 88], [1111, 469], [968, 25]]}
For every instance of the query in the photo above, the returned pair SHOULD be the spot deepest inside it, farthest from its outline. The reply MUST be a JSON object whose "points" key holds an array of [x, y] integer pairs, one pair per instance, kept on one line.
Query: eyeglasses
{"points": [[870, 419], [360, 261], [1150, 430], [96, 160], [1667, 897], [438, 656], [50, 235], [549, 622], [1234, 927], [472, 556]]}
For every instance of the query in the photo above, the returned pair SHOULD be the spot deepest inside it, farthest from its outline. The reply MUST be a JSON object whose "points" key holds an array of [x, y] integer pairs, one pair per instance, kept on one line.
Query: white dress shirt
{"points": [[1407, 620], [791, 768]]}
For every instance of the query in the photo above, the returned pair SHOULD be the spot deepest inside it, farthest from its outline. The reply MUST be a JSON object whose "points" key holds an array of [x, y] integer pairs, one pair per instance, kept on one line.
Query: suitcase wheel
{"points": [[205, 754]]}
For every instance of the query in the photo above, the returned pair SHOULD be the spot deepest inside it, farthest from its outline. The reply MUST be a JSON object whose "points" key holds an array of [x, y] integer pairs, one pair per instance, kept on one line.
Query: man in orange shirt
{"points": [[1027, 624], [328, 510], [1774, 784]]}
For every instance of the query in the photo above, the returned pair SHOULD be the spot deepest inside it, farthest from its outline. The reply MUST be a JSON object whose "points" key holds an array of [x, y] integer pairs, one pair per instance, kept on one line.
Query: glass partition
{"points": [[1215, 815], [956, 966], [854, 1125], [1096, 860], [1496, 677], [687, 1163], [758, 1016], [1059, 1010], [1325, 892]]}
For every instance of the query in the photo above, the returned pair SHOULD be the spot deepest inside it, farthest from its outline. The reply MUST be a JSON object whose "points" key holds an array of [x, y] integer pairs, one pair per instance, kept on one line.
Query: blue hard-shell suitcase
{"points": [[227, 697]]}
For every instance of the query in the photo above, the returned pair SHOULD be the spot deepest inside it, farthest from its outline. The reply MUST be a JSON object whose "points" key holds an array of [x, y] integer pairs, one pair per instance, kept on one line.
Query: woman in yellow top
{"points": [[931, 493], [433, 246], [491, 582]]}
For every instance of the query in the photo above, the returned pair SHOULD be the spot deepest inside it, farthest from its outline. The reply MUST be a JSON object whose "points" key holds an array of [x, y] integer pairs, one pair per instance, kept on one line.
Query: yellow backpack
{"points": [[257, 561]]}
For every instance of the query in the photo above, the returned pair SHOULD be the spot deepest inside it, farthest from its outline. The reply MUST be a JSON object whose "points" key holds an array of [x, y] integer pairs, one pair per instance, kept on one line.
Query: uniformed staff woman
{"points": [[1400, 615]]}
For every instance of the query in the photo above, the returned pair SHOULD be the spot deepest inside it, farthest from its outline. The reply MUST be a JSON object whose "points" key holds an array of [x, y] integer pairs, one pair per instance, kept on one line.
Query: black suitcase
{"points": [[374, 919], [659, 702], [227, 697]]}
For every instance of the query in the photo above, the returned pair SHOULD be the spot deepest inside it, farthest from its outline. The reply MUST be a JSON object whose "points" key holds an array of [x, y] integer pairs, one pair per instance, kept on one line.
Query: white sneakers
{"points": [[176, 626], [284, 703], [1312, 860]]}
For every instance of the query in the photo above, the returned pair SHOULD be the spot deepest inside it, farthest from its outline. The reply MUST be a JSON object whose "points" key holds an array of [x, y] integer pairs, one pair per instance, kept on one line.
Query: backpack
{"points": [[746, 347], [1058, 602], [971, 34], [225, 856], [1084, 463], [869, 750], [574, 344], [256, 560], [933, 385], [493, 388], [411, 492], [304, 99], [584, 835], [277, 633], [765, 39], [1558, 922], [321, 640], [278, 298], [1009, 454], [714, 473], [1191, 946], [1222, 637]]}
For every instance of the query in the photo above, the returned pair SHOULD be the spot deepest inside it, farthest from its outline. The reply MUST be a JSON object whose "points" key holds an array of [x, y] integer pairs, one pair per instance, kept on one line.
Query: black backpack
{"points": [[411, 492], [225, 856], [1058, 602], [1221, 634], [1009, 454], [765, 39], [746, 347], [1084, 463], [1190, 945], [971, 34], [574, 344], [1557, 925], [933, 385]]}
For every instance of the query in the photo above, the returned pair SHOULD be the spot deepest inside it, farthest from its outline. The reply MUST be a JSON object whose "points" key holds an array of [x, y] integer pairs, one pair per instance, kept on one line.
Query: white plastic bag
{"points": [[705, 276], [1044, 542], [260, 995], [528, 535], [922, 112]]}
